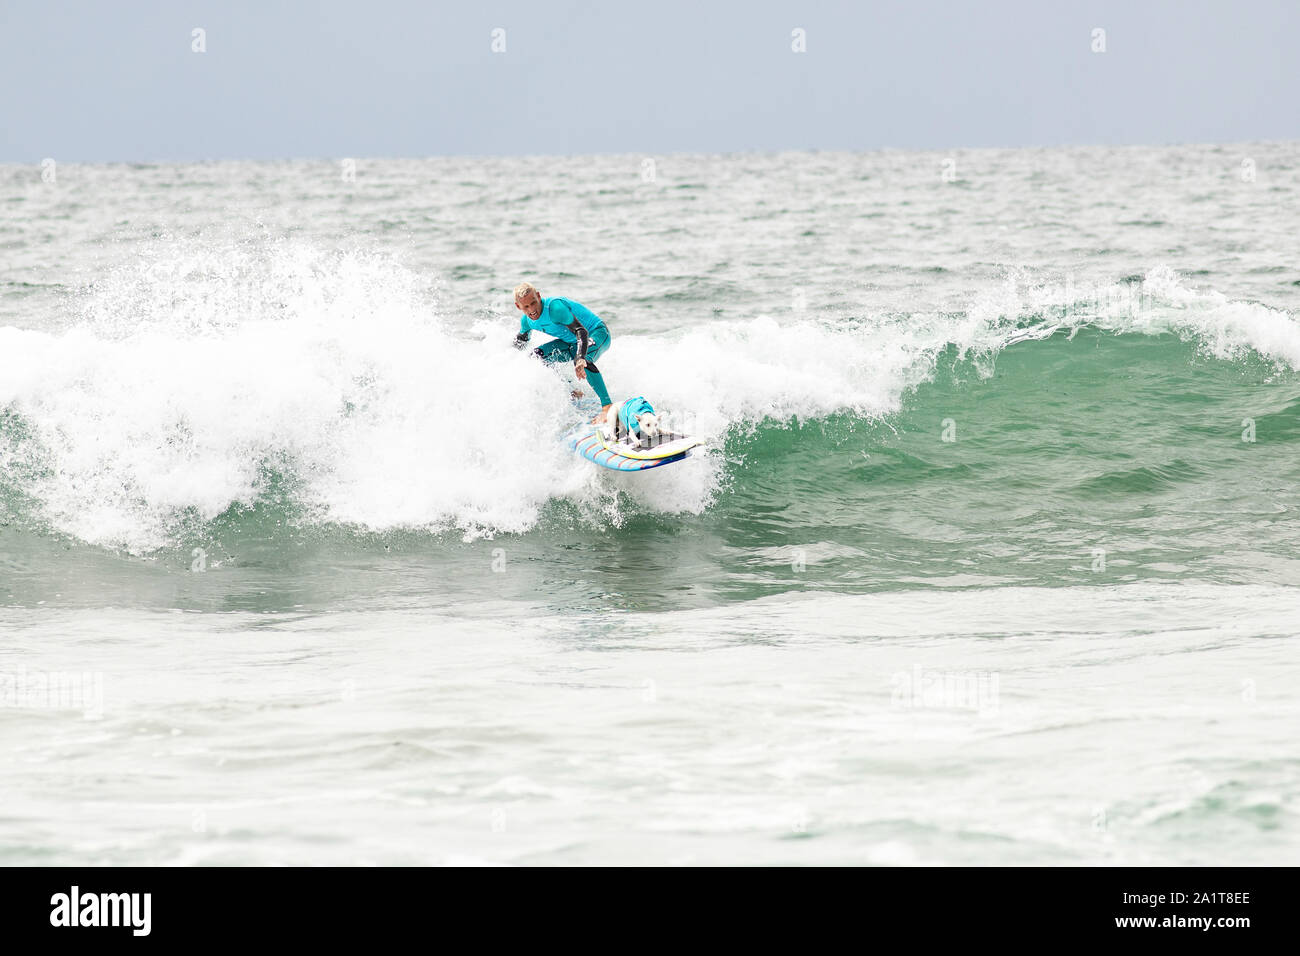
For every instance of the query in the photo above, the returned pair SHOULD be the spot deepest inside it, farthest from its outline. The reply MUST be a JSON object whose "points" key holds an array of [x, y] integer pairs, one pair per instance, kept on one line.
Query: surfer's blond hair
{"points": [[524, 290]]}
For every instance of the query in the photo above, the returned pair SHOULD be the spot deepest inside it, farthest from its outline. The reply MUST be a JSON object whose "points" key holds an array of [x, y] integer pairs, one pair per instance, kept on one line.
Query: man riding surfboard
{"points": [[580, 336]]}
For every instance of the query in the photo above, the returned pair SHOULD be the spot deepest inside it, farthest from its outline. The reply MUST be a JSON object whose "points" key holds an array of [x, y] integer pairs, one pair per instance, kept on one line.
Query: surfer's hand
{"points": [[580, 368], [520, 340]]}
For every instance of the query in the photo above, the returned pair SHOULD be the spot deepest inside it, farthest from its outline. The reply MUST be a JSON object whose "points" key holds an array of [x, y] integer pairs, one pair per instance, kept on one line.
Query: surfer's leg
{"points": [[599, 343], [556, 350], [598, 383]]}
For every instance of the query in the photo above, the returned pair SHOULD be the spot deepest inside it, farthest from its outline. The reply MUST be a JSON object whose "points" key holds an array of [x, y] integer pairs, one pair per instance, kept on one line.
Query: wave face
{"points": [[901, 381], [281, 385]]}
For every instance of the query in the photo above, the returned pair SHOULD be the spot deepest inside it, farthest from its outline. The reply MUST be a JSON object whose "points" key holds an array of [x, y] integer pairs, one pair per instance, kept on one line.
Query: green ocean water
{"points": [[993, 473], [989, 556]]}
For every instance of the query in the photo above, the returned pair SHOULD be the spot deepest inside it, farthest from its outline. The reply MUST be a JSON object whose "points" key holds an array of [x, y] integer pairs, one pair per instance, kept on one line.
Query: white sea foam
{"points": [[332, 367], [1161, 302]]}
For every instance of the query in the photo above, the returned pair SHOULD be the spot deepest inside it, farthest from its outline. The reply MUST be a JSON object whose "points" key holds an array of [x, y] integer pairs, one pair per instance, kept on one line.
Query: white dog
{"points": [[647, 422]]}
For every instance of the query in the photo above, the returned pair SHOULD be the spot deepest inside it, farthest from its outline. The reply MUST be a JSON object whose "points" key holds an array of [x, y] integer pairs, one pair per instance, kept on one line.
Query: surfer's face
{"points": [[531, 306]]}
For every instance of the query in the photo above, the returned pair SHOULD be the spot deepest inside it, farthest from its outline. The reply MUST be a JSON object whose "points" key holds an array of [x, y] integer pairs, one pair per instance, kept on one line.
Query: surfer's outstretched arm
{"points": [[525, 330]]}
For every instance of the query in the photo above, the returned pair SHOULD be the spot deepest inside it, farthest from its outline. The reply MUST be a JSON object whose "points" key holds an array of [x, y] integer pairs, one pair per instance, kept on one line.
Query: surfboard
{"points": [[595, 444]]}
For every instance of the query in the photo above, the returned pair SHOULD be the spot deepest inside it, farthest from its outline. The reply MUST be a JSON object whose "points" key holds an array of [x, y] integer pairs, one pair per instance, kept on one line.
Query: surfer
{"points": [[580, 336]]}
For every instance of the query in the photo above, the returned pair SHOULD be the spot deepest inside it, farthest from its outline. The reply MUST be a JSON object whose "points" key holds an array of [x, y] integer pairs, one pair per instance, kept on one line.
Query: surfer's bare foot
{"points": [[600, 417], [576, 393]]}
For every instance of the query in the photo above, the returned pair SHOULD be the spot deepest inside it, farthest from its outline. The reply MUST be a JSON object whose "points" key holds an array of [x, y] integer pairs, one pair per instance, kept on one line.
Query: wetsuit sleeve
{"points": [[524, 331], [561, 313]]}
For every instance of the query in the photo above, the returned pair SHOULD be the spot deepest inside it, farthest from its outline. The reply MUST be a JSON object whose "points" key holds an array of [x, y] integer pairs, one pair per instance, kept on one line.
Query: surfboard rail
{"points": [[593, 444]]}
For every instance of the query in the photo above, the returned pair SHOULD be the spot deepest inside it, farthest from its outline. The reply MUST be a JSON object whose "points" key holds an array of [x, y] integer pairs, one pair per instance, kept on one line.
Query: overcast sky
{"points": [[375, 78]]}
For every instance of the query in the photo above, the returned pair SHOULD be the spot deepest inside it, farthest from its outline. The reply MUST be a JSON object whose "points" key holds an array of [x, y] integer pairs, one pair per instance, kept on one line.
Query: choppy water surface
{"points": [[991, 557]]}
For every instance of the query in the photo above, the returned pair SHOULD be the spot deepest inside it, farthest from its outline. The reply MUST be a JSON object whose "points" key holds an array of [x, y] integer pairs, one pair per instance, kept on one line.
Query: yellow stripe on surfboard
{"points": [[620, 449]]}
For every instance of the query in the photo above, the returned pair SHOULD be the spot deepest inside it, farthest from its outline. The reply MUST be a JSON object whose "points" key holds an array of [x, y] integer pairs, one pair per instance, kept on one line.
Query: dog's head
{"points": [[650, 430]]}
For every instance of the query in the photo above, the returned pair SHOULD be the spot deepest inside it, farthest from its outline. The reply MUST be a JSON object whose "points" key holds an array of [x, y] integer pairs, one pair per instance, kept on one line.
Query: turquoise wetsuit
{"points": [[633, 409], [579, 333]]}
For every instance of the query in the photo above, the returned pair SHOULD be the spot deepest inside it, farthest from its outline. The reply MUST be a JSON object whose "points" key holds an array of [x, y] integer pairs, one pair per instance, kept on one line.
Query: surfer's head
{"points": [[528, 300]]}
